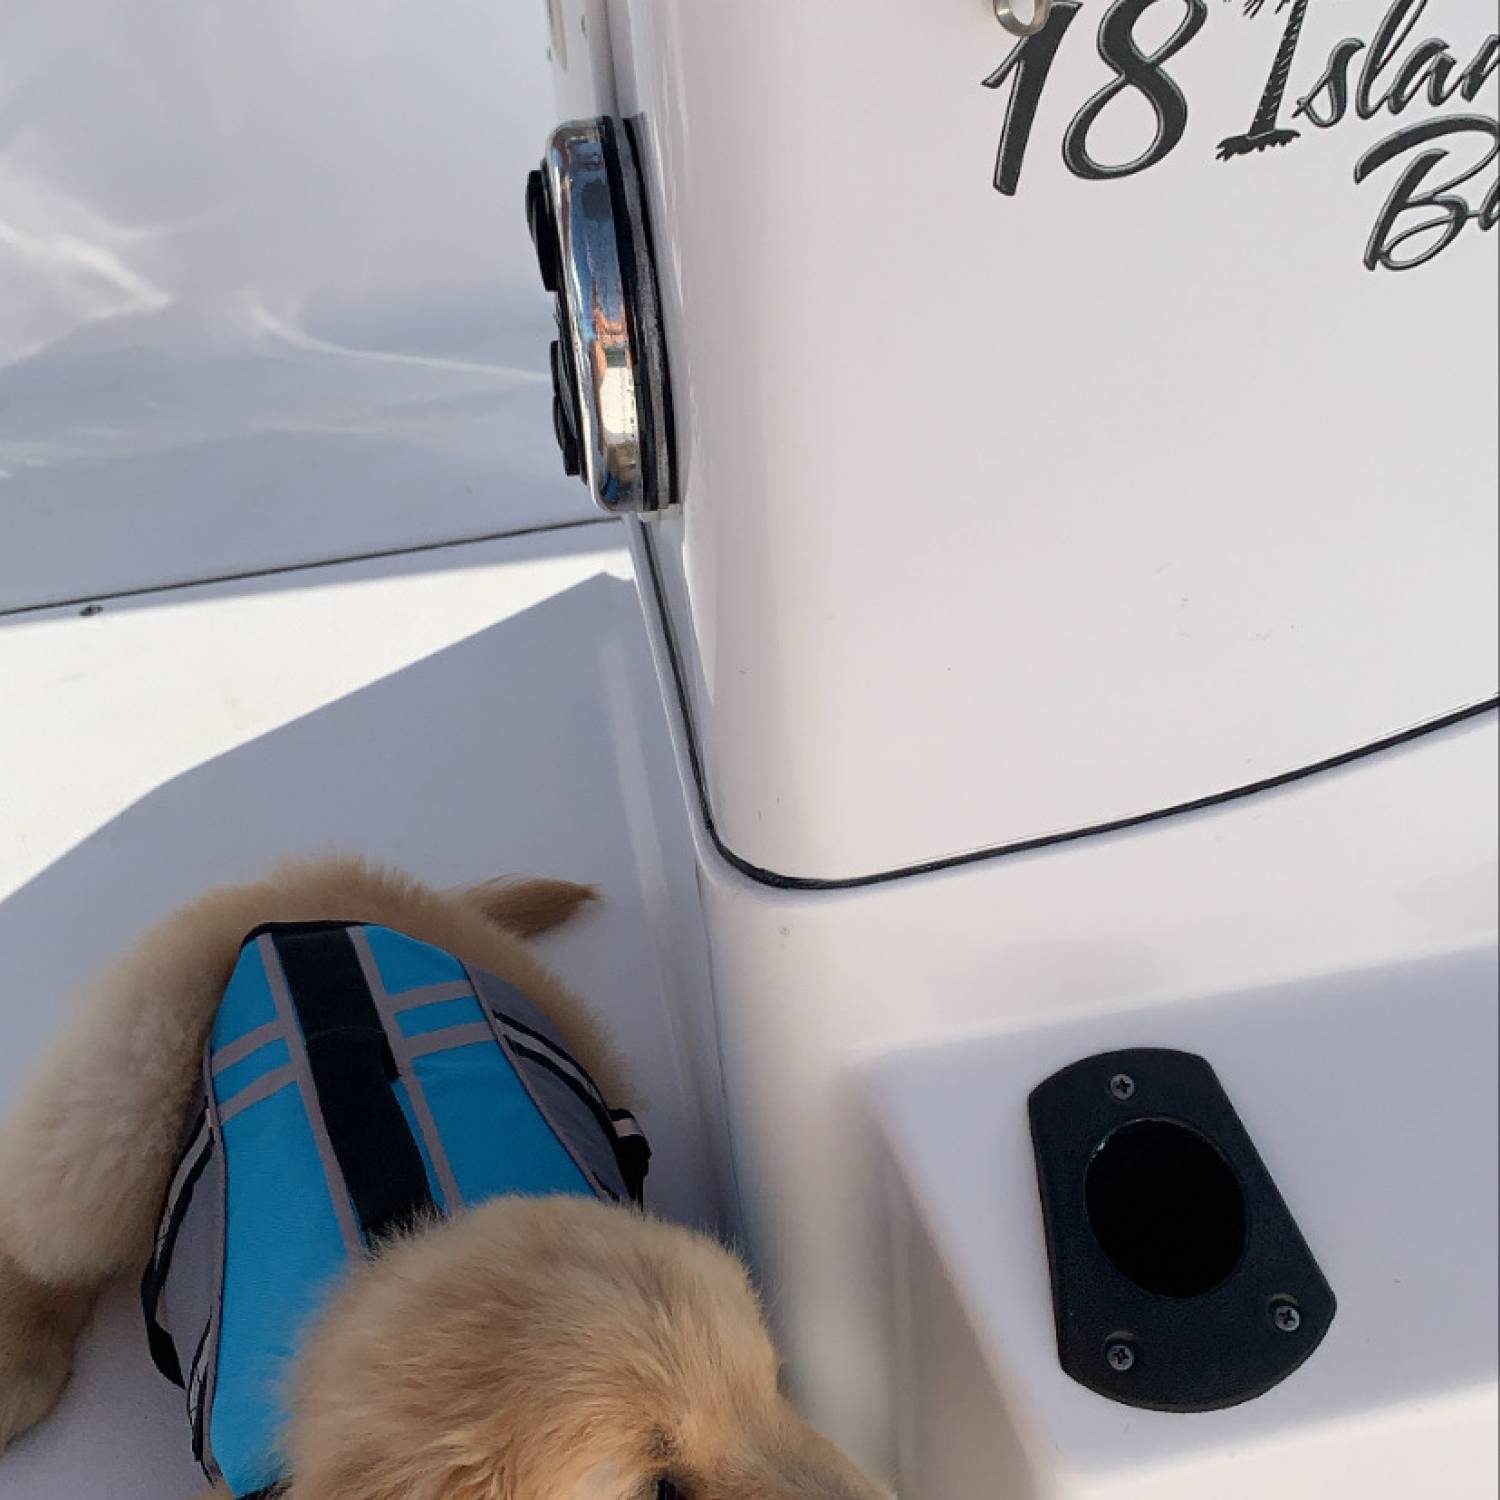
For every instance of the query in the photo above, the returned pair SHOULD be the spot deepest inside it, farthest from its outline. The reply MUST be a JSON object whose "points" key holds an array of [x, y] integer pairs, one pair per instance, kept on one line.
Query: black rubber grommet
{"points": [[543, 227]]}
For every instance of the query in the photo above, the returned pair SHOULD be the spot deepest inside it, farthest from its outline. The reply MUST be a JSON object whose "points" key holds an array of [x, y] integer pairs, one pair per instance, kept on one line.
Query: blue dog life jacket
{"points": [[354, 1080]]}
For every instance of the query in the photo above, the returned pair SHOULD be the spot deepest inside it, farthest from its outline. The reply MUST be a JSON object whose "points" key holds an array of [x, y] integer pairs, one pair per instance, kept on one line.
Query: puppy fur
{"points": [[529, 1349]]}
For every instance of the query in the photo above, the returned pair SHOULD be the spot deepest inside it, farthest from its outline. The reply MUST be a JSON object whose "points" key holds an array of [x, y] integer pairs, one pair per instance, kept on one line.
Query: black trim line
{"points": [[153, 1280], [629, 1159], [781, 882], [199, 1408], [557, 1053], [544, 1060], [278, 570], [653, 361]]}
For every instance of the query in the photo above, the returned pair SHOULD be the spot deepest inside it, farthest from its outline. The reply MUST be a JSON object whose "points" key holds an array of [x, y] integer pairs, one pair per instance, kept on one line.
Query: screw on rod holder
{"points": [[1180, 1280]]}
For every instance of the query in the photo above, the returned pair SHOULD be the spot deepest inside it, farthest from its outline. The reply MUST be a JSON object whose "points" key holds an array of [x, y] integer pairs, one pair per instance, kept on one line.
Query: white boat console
{"points": [[1076, 603], [1048, 816]]}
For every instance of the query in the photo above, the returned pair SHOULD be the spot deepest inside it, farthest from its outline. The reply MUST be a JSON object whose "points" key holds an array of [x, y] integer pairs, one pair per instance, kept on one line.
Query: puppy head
{"points": [[552, 1349]]}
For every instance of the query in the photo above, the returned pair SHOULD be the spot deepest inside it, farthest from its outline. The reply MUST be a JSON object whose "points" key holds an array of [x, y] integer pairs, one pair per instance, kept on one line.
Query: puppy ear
{"points": [[529, 907]]}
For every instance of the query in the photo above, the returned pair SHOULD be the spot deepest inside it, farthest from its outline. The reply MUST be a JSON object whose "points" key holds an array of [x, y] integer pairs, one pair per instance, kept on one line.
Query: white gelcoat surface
{"points": [[582, 58], [266, 292], [480, 711], [1379, 866], [266, 316], [1006, 516], [1371, 1097]]}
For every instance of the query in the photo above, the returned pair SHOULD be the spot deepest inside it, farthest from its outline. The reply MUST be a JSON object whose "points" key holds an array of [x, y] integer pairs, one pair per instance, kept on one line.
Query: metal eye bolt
{"points": [[1006, 16]]}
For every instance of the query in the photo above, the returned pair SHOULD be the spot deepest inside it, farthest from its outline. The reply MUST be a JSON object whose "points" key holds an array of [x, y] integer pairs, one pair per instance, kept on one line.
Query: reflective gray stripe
{"points": [[301, 1070], [502, 1035], [403, 1051], [241, 1048], [449, 1038], [428, 994], [202, 1140], [559, 1058], [263, 1087]]}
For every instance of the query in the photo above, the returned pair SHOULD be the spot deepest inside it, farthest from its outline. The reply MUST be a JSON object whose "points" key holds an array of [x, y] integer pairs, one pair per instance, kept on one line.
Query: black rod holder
{"points": [[1180, 1280]]}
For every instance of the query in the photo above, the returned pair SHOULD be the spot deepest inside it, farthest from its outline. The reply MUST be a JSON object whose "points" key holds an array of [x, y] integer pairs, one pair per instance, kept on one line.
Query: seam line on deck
{"points": [[281, 569]]}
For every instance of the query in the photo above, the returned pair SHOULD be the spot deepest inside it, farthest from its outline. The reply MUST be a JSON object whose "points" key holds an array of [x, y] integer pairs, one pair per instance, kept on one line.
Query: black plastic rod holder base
{"points": [[1180, 1280]]}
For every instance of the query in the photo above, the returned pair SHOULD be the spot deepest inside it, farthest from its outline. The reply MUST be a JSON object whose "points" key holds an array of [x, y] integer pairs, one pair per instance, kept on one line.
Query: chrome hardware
{"points": [[1007, 17], [611, 407]]}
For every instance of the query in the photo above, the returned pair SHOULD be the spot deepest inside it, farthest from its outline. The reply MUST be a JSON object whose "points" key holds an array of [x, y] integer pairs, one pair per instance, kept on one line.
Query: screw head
{"points": [[1286, 1317], [1121, 1086], [1121, 1357]]}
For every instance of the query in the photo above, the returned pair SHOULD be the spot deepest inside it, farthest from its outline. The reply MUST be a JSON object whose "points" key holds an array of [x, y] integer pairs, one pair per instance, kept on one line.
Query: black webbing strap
{"points": [[353, 1069], [163, 1351], [632, 1154]]}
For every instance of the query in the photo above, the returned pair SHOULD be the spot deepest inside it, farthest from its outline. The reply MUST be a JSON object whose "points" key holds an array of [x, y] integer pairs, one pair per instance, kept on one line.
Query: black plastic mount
{"points": [[541, 220], [1180, 1280]]}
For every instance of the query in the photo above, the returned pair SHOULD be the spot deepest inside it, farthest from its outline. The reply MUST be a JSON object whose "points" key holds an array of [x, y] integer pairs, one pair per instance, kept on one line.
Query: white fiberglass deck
{"points": [[267, 300], [467, 712]]}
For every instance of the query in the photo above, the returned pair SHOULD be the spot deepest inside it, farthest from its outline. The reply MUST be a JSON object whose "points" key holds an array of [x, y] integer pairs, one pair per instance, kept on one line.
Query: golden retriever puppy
{"points": [[525, 1348]]}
